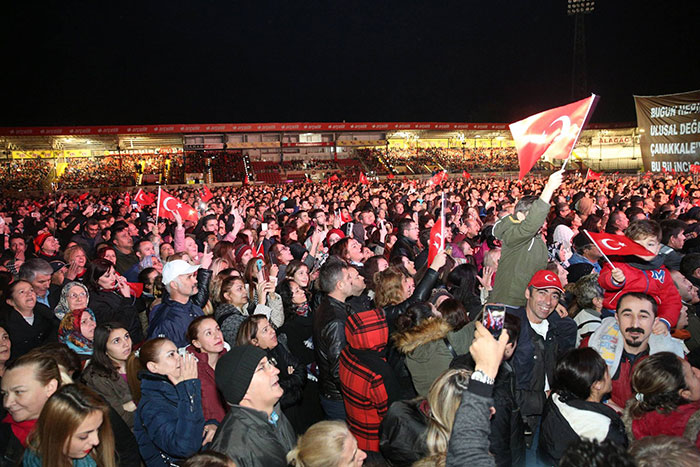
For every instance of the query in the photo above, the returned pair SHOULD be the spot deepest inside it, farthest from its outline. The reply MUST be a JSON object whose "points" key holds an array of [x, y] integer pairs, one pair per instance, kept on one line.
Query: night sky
{"points": [[286, 61]]}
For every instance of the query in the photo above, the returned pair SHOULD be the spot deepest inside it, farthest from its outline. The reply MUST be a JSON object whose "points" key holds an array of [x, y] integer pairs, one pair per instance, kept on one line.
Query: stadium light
{"points": [[578, 7]]}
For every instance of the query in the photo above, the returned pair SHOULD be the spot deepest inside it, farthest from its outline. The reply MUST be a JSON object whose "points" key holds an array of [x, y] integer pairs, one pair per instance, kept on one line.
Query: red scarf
{"points": [[20, 429]]}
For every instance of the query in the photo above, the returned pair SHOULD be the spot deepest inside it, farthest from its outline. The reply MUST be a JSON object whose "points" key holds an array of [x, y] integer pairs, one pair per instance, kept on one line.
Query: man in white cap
{"points": [[171, 318]]}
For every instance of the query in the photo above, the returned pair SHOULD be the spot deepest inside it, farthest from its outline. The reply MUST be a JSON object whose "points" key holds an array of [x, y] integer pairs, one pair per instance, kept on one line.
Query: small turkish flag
{"points": [[436, 241], [83, 196], [206, 194], [127, 198], [695, 168], [679, 190], [390, 176], [144, 199], [438, 178], [647, 175], [663, 169], [552, 133], [437, 234], [170, 204], [334, 178], [590, 175], [260, 251], [611, 244], [466, 174], [363, 179]]}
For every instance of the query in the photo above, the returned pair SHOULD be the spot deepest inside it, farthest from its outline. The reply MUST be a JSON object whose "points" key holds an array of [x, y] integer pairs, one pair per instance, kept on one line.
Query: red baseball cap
{"points": [[544, 279]]}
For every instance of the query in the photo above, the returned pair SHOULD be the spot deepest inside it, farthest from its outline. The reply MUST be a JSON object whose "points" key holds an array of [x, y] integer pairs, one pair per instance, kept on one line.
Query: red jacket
{"points": [[364, 394], [213, 405], [672, 424], [622, 385], [654, 282]]}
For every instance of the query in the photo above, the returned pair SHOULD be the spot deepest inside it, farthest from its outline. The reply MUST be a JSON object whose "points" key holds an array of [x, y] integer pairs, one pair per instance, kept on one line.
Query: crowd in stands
{"points": [[24, 174], [311, 324], [427, 160], [227, 166]]}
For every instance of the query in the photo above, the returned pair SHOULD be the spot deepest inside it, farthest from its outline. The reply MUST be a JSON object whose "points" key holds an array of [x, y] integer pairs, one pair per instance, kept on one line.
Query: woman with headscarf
{"points": [[77, 331]]}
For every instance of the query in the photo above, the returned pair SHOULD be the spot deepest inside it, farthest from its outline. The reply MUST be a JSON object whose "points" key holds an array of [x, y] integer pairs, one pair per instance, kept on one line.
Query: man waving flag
{"points": [[552, 133]]}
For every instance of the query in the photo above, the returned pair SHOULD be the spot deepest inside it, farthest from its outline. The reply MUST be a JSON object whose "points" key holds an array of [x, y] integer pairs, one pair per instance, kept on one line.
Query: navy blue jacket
{"points": [[170, 319], [169, 422], [535, 358]]}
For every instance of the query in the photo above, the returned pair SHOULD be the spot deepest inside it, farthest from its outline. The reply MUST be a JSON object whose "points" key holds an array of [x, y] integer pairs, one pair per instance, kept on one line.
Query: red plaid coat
{"points": [[366, 400]]}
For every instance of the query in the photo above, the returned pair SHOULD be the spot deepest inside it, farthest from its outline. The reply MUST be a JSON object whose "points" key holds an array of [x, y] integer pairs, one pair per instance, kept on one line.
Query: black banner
{"points": [[669, 131]]}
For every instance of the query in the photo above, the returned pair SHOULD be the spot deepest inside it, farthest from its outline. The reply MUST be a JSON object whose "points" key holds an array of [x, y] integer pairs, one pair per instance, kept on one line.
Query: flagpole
{"points": [[585, 120], [158, 210], [601, 251], [442, 222]]}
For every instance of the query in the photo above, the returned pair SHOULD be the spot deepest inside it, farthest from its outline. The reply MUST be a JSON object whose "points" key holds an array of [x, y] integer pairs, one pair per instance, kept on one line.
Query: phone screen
{"points": [[264, 226], [261, 269], [494, 317]]}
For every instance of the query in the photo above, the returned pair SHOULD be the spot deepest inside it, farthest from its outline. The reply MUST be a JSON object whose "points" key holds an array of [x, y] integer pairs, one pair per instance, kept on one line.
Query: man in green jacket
{"points": [[523, 250]]}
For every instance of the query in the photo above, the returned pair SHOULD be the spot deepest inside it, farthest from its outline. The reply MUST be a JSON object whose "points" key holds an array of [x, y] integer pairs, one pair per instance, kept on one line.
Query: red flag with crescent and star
{"points": [[438, 178], [206, 194], [143, 198], [466, 174], [590, 175], [551, 134], [437, 235], [363, 179], [616, 245], [169, 204]]}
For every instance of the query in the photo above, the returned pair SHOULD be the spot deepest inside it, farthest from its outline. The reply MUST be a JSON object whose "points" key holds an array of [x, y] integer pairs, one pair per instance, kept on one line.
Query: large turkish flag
{"points": [[550, 133]]}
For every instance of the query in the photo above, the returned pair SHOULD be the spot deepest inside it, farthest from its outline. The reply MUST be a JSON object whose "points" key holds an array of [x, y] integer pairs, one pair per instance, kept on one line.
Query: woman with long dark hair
{"points": [[111, 298], [106, 372], [207, 345], [462, 283], [258, 331], [574, 409]]}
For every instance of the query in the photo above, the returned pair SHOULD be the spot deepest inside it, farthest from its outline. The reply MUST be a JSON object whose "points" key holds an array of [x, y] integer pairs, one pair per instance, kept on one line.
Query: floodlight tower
{"points": [[579, 9]]}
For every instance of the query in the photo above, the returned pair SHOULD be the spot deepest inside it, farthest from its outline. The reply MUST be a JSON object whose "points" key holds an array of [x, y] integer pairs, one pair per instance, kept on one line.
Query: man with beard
{"points": [[631, 326]]}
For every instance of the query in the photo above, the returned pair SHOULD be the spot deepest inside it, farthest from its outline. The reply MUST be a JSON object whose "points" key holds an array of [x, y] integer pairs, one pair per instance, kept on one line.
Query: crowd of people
{"points": [[426, 160], [313, 325]]}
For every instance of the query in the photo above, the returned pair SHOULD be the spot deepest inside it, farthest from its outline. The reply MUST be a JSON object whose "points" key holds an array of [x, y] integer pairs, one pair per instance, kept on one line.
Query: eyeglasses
{"points": [[77, 295], [271, 362]]}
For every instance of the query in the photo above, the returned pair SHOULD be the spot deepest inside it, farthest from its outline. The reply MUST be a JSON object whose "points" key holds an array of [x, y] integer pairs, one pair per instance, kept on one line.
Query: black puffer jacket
{"points": [[329, 341], [112, 306], [402, 432], [562, 425], [507, 437]]}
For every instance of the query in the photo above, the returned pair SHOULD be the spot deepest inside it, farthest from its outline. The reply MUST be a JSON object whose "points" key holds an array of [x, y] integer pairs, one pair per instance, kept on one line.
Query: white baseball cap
{"points": [[179, 267]]}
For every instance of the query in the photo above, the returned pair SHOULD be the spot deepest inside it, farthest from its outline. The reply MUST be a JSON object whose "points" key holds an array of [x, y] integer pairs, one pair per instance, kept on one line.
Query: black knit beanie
{"points": [[235, 370]]}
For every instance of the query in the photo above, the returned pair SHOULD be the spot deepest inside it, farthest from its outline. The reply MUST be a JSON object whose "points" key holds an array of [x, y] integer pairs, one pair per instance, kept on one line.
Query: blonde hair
{"points": [[67, 408], [320, 446], [388, 287], [444, 398]]}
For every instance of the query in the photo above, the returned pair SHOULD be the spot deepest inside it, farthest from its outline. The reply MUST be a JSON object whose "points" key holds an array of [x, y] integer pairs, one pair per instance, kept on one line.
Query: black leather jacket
{"points": [[405, 247], [329, 341], [420, 294]]}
